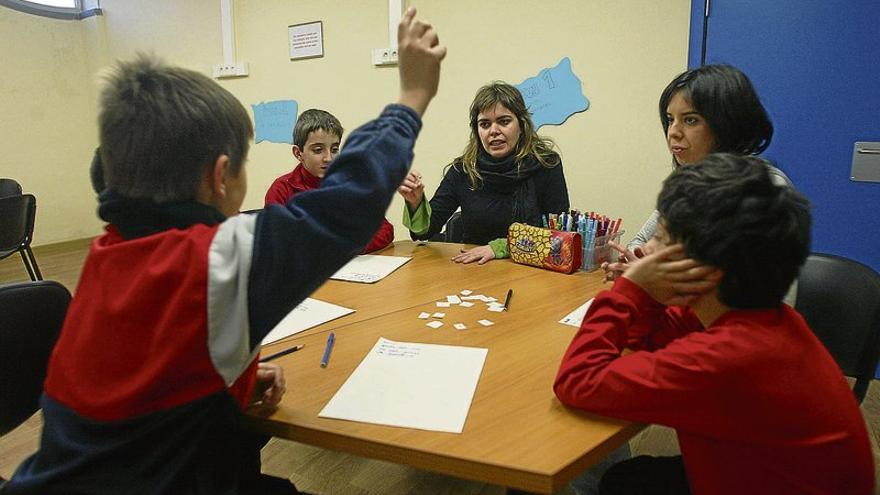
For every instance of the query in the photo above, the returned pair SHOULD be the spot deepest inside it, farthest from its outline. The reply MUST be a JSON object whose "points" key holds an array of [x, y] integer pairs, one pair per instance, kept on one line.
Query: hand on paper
{"points": [[613, 271], [671, 278], [412, 189], [480, 254], [270, 384], [420, 54]]}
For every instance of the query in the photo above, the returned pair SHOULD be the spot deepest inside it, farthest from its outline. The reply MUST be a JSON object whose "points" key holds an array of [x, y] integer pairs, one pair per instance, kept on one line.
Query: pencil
{"points": [[281, 353], [507, 299]]}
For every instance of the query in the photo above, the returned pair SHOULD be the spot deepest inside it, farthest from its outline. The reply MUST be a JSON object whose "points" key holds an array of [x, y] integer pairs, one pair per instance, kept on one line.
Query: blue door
{"points": [[816, 66]]}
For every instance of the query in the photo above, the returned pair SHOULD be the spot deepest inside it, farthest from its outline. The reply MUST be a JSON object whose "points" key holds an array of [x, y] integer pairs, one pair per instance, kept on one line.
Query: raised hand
{"points": [[420, 54]]}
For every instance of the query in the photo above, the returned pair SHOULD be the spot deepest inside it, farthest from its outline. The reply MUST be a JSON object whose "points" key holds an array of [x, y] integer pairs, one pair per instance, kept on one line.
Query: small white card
{"points": [[453, 299], [434, 324], [466, 292], [486, 323], [424, 316], [460, 326], [575, 318], [439, 315], [466, 304], [442, 304]]}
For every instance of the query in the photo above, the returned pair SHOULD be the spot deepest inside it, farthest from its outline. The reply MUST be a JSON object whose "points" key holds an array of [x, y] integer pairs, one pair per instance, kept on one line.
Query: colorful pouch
{"points": [[555, 250]]}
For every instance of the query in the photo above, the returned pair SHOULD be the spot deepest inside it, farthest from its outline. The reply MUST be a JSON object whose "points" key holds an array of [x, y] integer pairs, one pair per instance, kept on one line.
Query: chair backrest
{"points": [[840, 299], [9, 187], [454, 232], [31, 315], [17, 215]]}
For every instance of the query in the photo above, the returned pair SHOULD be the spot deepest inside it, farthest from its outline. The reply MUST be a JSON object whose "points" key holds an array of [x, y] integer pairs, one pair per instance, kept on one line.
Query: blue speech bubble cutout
{"points": [[274, 121], [554, 94]]}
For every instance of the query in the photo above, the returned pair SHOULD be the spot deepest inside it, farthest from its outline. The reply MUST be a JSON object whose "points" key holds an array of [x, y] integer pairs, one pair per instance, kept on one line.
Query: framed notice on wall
{"points": [[306, 40]]}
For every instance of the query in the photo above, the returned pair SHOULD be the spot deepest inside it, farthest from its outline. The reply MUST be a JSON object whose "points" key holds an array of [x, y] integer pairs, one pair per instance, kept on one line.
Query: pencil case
{"points": [[555, 250]]}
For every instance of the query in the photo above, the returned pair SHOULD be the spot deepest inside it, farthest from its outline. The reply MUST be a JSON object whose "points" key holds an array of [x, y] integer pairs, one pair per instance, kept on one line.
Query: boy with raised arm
{"points": [[158, 354], [758, 404]]}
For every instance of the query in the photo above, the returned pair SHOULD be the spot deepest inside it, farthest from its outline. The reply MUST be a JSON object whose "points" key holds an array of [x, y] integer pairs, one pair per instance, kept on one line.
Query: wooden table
{"points": [[517, 434]]}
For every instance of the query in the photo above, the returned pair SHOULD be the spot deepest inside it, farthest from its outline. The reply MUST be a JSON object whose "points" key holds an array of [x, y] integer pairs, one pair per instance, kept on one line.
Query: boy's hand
{"points": [[420, 53], [270, 384], [412, 189], [615, 270], [670, 278]]}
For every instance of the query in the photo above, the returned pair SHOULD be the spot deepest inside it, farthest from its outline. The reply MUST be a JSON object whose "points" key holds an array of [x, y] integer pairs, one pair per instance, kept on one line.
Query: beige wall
{"points": [[614, 155]]}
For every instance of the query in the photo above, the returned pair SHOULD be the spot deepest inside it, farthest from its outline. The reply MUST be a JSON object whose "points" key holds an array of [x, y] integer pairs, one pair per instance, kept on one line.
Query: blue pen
{"points": [[326, 358]]}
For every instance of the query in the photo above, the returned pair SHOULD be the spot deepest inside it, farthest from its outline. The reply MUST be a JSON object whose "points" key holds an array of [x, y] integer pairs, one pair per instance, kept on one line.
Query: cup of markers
{"points": [[596, 232]]}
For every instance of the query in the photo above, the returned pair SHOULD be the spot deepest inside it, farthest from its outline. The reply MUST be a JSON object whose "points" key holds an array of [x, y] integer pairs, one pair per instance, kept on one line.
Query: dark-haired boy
{"points": [[758, 404], [316, 137], [158, 354]]}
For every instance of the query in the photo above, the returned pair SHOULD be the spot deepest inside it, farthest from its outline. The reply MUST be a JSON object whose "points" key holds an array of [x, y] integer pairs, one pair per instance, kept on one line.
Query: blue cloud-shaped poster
{"points": [[554, 94], [274, 121]]}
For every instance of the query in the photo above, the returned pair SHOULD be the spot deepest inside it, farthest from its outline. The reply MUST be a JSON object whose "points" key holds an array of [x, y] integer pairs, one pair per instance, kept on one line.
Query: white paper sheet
{"points": [[422, 386], [369, 268], [310, 313], [577, 316]]}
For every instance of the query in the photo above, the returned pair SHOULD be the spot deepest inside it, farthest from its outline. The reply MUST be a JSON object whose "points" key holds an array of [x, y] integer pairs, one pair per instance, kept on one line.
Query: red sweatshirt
{"points": [[286, 186], [758, 404]]}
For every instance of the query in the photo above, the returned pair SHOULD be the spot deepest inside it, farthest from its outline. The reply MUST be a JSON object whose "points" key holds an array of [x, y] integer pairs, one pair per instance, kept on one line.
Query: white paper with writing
{"points": [[369, 268], [577, 316], [411, 385], [310, 313]]}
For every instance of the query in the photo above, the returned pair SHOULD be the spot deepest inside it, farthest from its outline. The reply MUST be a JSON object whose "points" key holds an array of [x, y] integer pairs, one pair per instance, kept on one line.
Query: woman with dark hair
{"points": [[711, 109], [507, 173]]}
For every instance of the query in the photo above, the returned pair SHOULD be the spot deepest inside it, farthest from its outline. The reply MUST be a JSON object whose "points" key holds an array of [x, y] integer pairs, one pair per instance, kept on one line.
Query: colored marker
{"points": [[507, 299]]}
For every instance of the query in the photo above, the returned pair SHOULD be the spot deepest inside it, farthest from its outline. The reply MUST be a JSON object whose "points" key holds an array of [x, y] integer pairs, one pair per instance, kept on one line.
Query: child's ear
{"points": [[297, 153], [217, 176]]}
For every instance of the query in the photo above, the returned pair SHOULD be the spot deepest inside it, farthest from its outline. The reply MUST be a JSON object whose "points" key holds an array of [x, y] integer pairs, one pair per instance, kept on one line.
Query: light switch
{"points": [[866, 162]]}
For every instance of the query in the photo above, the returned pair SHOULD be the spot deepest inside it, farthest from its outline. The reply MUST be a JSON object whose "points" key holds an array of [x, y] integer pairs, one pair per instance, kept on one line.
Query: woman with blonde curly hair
{"points": [[507, 173]]}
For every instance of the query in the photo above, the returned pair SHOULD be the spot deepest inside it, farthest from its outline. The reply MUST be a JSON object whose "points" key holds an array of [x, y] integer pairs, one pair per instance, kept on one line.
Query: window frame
{"points": [[82, 10]]}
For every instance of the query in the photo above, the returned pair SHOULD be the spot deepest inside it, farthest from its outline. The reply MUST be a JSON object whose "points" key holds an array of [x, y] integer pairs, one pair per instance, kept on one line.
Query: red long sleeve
{"points": [[384, 236], [757, 402]]}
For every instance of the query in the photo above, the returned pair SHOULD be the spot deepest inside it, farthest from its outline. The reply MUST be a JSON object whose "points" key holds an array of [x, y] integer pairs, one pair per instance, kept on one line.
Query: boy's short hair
{"points": [[161, 127], [728, 213], [312, 120]]}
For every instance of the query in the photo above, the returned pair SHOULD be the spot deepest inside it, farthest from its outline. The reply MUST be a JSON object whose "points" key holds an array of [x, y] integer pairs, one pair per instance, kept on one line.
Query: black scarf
{"points": [[507, 176], [141, 217]]}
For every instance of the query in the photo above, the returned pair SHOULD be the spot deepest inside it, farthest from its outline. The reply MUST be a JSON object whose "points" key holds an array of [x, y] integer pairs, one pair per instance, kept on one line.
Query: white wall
{"points": [[614, 155]]}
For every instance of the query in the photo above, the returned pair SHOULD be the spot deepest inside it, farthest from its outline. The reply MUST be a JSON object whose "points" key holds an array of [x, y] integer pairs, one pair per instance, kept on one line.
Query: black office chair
{"points": [[31, 315], [452, 231], [840, 299], [9, 187], [17, 214]]}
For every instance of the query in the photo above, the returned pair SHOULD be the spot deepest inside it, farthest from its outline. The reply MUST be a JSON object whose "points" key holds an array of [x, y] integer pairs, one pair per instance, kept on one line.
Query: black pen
{"points": [[507, 299], [281, 353]]}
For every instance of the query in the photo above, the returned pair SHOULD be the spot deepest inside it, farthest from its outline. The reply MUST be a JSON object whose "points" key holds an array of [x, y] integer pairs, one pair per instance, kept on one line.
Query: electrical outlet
{"points": [[384, 56], [238, 69]]}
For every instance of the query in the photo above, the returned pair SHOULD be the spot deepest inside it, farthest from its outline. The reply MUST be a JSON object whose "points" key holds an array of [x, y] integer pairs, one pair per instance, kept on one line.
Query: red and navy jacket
{"points": [[299, 180], [158, 352]]}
